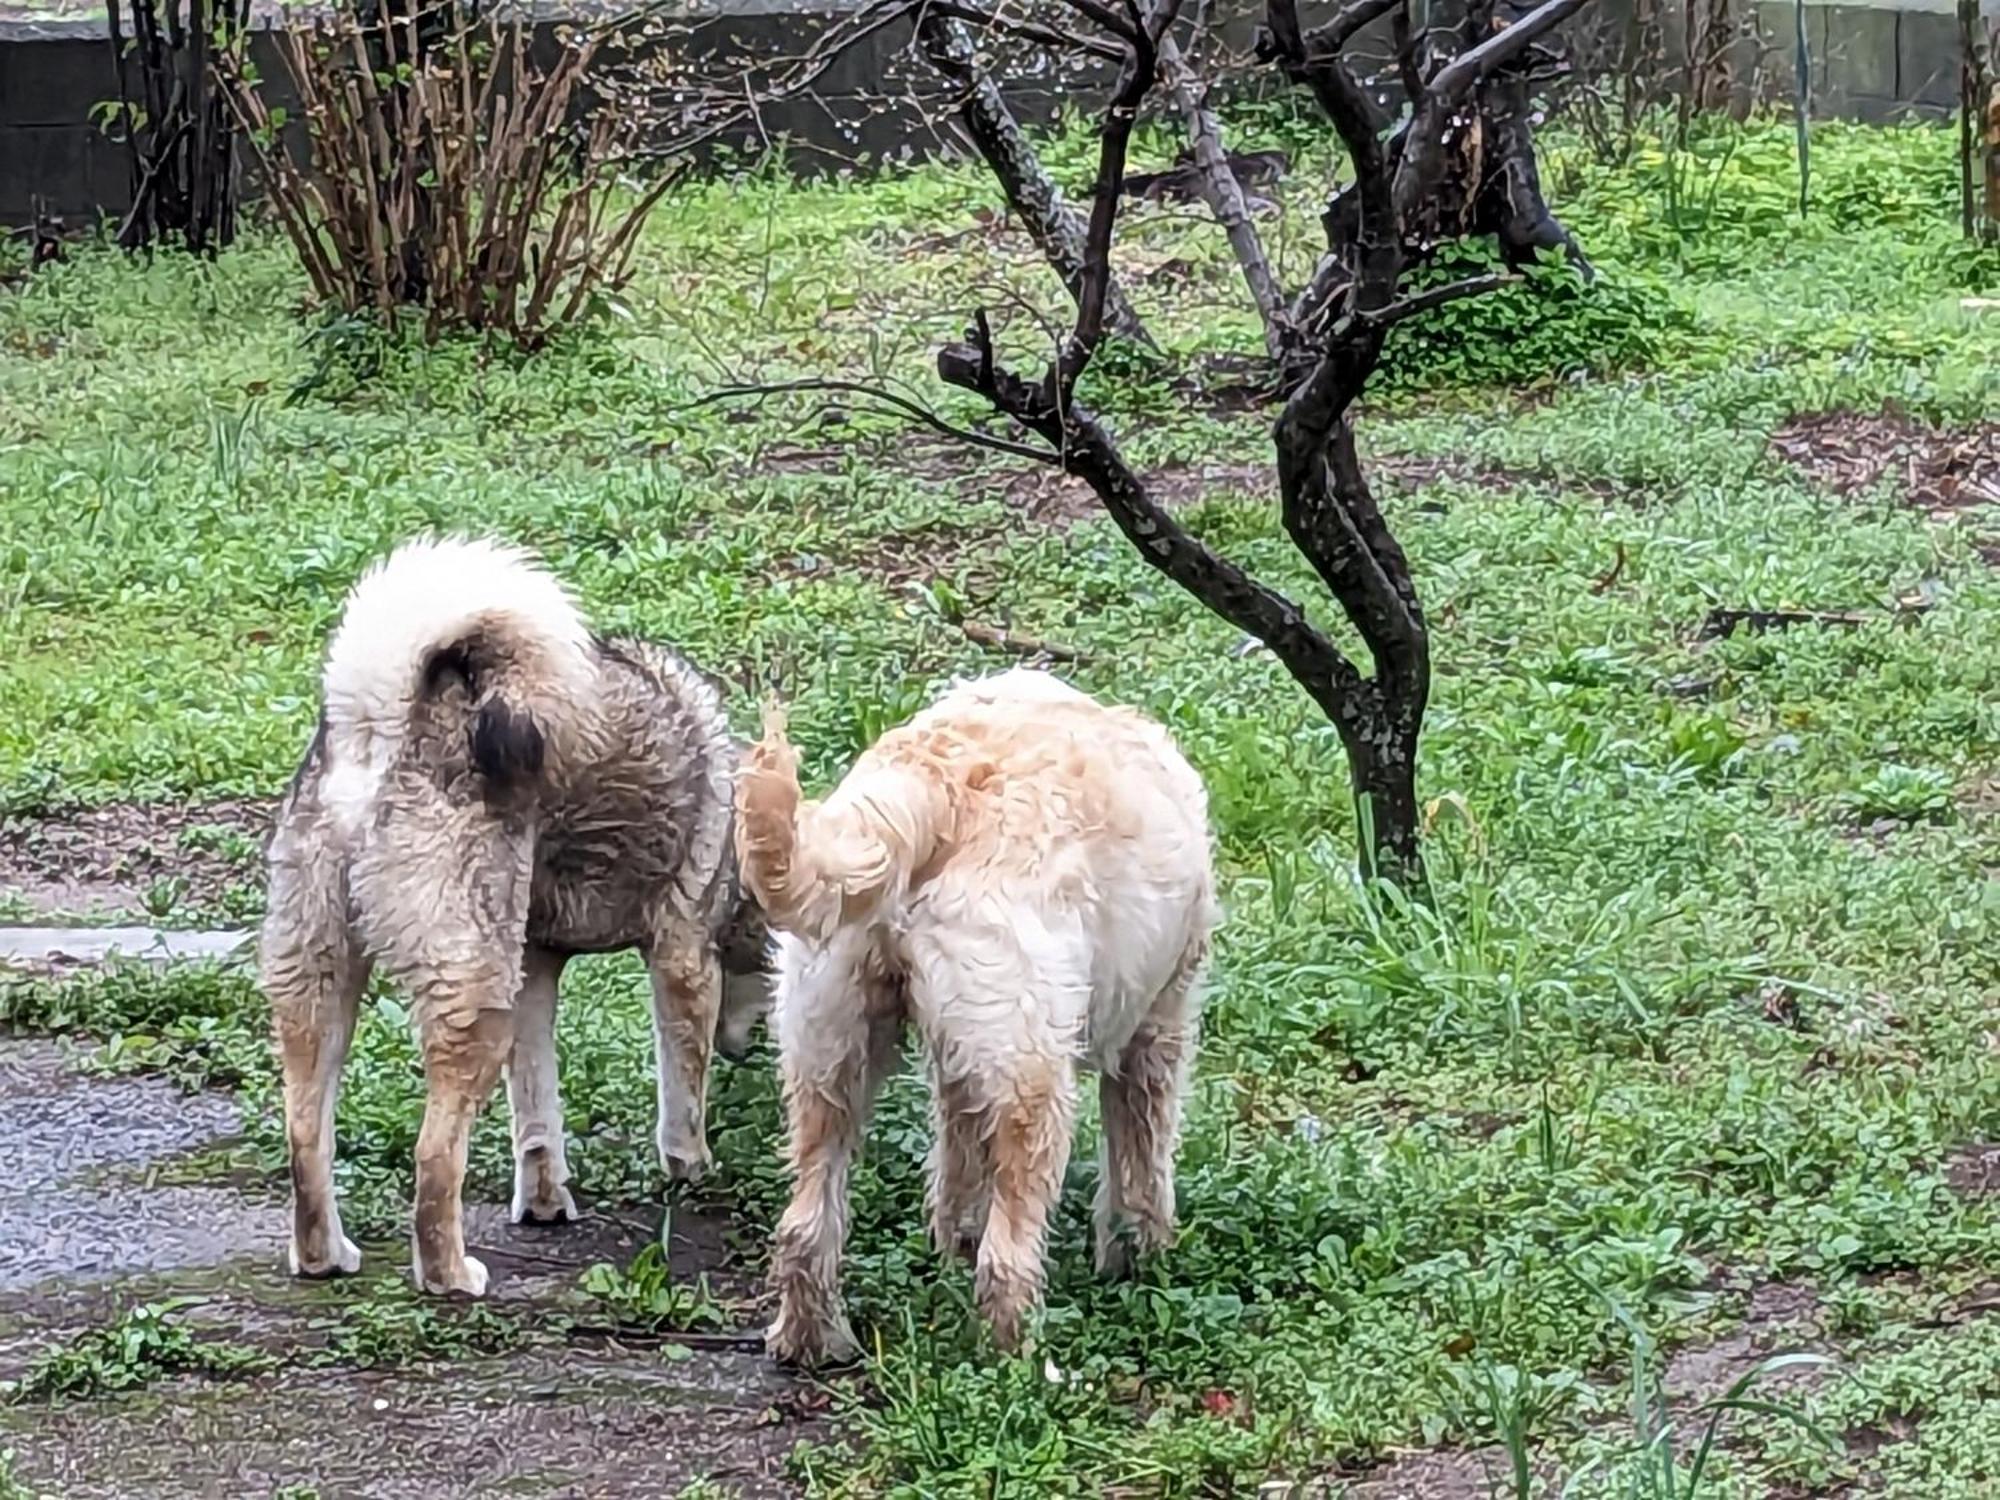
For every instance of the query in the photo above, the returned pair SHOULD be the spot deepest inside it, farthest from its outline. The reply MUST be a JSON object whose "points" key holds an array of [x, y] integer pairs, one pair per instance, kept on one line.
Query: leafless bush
{"points": [[449, 169], [179, 139]]}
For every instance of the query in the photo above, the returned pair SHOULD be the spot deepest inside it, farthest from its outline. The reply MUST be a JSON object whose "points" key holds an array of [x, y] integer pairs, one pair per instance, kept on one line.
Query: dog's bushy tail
{"points": [[474, 631], [811, 865]]}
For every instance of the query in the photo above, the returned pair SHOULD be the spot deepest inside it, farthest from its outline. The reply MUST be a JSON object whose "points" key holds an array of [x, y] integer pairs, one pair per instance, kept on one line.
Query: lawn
{"points": [[1685, 1056]]}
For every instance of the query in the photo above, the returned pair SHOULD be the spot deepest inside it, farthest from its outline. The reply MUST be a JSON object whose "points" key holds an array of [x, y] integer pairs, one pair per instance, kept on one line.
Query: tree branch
{"points": [[900, 404], [1437, 296], [1224, 195], [1324, 42], [1115, 137], [1079, 444], [1032, 194], [1477, 63]]}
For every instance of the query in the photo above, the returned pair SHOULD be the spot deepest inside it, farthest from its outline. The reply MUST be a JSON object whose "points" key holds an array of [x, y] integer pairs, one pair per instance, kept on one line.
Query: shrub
{"points": [[450, 170], [1553, 322]]}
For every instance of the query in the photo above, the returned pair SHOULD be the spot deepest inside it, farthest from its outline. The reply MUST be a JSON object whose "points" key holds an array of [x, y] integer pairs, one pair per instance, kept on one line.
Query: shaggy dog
{"points": [[1024, 874], [492, 790]]}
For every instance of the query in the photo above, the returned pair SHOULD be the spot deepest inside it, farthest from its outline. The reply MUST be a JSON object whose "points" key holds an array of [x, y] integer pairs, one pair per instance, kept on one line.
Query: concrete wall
{"points": [[1872, 61]]}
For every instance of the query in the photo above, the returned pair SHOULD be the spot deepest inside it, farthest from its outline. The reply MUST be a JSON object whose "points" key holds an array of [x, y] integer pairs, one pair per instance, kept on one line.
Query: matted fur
{"points": [[1025, 875], [492, 790]]}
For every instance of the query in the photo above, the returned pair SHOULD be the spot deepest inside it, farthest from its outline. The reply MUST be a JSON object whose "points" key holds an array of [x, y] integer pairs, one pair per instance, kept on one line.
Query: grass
{"points": [[1701, 997]]}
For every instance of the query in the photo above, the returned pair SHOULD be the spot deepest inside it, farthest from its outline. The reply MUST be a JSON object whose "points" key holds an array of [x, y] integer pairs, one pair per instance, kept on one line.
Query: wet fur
{"points": [[1023, 875], [491, 791]]}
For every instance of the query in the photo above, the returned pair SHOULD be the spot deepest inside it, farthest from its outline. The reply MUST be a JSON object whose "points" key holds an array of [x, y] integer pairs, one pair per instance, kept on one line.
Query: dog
{"points": [[493, 789], [1025, 875]]}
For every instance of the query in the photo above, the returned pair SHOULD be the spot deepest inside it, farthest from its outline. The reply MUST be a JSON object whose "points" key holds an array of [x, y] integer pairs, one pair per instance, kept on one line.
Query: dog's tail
{"points": [[467, 639], [812, 865]]}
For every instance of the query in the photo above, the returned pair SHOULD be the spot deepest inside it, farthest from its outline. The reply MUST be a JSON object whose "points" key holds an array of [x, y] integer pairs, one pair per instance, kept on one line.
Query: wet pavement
{"points": [[79, 1162], [89, 1229], [38, 947]]}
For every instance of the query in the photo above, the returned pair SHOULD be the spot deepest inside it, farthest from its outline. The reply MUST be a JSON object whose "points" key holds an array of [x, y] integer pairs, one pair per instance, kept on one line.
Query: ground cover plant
{"points": [[1685, 1055]]}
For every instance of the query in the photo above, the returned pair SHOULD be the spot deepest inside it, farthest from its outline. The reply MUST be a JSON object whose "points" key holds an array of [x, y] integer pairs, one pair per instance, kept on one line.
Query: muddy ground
{"points": [[89, 1229]]}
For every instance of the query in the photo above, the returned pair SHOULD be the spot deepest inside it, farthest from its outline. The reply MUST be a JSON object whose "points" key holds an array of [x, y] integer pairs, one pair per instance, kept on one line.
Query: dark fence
{"points": [[871, 105]]}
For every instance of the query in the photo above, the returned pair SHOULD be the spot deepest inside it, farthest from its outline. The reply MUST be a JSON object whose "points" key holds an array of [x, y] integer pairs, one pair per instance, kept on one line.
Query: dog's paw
{"points": [[544, 1206], [344, 1261], [794, 1341], [468, 1281], [685, 1161]]}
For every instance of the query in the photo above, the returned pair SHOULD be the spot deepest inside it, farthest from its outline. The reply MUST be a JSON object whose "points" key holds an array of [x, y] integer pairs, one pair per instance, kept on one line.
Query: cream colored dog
{"points": [[1025, 875]]}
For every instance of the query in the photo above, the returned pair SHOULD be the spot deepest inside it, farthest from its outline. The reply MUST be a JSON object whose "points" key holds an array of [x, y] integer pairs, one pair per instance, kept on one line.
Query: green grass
{"points": [[1702, 995]]}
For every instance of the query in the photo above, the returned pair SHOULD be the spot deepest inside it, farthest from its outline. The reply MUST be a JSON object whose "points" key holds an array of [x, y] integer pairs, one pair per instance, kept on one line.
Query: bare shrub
{"points": [[448, 169]]}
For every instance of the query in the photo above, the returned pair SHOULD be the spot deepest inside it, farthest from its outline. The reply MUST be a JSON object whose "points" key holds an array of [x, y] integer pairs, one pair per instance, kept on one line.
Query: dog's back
{"points": [[462, 678], [640, 831], [1012, 805]]}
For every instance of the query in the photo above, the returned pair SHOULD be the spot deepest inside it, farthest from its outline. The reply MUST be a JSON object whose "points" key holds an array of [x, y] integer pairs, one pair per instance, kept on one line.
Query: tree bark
{"points": [[1032, 194]]}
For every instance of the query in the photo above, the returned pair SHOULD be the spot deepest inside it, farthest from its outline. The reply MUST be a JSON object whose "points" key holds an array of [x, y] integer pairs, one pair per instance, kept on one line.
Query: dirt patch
{"points": [[1974, 1170], [125, 858], [1436, 1474], [1938, 470], [566, 1422], [902, 558], [1779, 1317]]}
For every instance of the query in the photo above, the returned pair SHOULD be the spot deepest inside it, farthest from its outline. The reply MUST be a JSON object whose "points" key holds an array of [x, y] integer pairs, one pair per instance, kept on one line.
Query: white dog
{"points": [[1024, 874]]}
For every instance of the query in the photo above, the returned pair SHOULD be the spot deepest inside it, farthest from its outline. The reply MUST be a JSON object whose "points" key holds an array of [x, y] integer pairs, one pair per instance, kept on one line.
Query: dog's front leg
{"points": [[687, 997], [534, 1098]]}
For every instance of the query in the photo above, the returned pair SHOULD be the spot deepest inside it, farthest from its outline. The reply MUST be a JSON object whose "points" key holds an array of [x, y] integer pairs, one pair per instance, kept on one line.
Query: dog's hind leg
{"points": [[313, 973], [1034, 1119], [463, 1054], [442, 890], [960, 1180], [839, 1021], [1140, 1100], [687, 998], [534, 1097]]}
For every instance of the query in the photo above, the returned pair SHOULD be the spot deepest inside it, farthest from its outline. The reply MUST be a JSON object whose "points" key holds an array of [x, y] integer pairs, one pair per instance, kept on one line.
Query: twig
{"points": [[1603, 583], [1721, 623], [1018, 643], [915, 410], [732, 1339]]}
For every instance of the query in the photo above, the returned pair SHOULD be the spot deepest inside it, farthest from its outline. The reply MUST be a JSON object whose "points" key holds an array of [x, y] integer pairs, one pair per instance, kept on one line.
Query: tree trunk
{"points": [[1385, 800], [1991, 228]]}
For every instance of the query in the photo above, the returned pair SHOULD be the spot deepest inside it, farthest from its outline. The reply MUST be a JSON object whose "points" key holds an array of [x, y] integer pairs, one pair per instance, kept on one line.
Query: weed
{"points": [[645, 1297], [146, 1344], [1904, 794], [396, 1326]]}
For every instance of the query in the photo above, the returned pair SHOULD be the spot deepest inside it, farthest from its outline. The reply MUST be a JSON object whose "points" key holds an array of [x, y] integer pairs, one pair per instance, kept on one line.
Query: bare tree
{"points": [[1411, 191]]}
